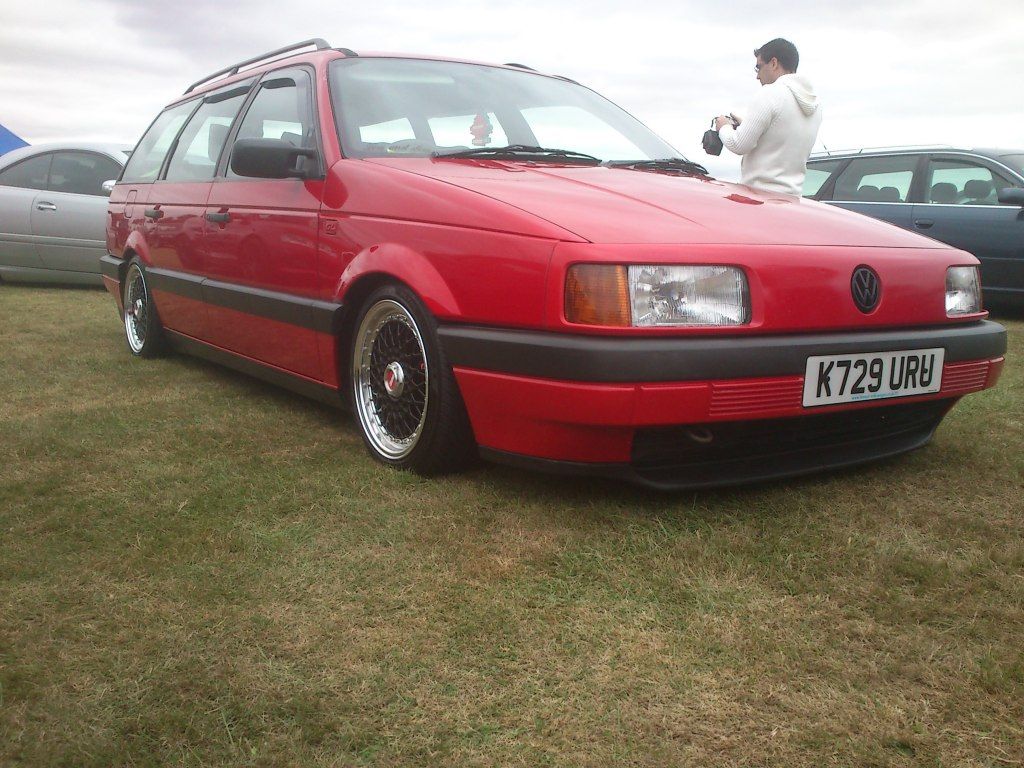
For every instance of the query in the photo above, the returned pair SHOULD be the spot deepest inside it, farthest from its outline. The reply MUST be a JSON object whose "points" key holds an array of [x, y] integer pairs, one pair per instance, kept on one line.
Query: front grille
{"points": [[743, 451]]}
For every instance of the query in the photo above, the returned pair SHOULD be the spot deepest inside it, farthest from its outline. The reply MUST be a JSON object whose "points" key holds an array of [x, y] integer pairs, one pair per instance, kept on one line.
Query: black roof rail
{"points": [[348, 52], [233, 69], [519, 66]]}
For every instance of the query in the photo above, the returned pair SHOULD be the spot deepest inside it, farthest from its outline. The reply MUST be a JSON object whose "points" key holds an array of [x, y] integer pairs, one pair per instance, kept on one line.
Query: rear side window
{"points": [[28, 174], [817, 175], [198, 148], [147, 159], [81, 173], [877, 179], [281, 109], [957, 182]]}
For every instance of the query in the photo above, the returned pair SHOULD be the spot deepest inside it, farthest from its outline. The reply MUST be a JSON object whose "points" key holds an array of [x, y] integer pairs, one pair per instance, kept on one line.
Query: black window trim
{"points": [[225, 154], [51, 153]]}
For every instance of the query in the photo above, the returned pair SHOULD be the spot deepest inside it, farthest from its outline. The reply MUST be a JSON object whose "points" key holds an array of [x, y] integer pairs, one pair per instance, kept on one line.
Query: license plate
{"points": [[835, 379]]}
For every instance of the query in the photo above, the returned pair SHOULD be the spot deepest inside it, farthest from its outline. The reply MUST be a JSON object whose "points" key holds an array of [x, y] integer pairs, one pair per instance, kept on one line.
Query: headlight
{"points": [[963, 291], [647, 295]]}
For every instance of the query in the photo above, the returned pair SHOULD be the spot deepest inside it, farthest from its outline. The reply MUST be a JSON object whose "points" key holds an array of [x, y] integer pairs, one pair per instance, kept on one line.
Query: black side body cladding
{"points": [[313, 314]]}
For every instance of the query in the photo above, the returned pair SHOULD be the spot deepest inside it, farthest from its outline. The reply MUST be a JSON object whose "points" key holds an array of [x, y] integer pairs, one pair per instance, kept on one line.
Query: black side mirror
{"points": [[1011, 196], [273, 159]]}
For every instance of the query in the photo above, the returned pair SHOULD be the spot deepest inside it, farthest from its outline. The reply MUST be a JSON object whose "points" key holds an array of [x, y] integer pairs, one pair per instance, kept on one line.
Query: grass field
{"points": [[199, 569]]}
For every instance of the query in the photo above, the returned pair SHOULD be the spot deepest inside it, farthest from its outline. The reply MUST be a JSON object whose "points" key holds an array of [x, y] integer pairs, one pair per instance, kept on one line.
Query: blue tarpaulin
{"points": [[9, 141]]}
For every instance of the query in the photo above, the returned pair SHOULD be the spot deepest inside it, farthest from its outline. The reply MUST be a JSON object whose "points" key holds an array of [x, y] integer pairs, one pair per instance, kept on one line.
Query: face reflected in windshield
{"points": [[414, 107]]}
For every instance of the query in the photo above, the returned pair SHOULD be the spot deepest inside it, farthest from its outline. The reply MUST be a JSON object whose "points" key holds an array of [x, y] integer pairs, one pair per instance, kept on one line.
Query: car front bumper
{"points": [[693, 412]]}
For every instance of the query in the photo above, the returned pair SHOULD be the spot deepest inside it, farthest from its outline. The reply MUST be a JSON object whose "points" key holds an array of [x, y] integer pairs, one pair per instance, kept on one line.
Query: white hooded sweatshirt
{"points": [[777, 135]]}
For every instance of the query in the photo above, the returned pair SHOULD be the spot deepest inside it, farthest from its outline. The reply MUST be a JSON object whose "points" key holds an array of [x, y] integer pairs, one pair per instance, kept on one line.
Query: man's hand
{"points": [[725, 120]]}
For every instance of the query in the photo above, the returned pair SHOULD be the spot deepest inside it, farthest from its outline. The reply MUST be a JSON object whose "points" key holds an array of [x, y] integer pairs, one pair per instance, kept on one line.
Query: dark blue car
{"points": [[970, 198]]}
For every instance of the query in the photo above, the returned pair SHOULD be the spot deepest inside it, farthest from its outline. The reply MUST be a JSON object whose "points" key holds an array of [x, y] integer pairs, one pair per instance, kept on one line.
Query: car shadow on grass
{"points": [[517, 485]]}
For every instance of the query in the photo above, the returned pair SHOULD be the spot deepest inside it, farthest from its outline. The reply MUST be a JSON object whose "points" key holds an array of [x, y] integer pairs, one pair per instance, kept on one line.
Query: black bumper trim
{"points": [[605, 359], [315, 315], [110, 266]]}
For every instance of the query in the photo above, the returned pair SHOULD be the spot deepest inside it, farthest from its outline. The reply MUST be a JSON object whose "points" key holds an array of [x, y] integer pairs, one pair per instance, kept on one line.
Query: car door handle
{"points": [[220, 218], [154, 213], [923, 223], [46, 207]]}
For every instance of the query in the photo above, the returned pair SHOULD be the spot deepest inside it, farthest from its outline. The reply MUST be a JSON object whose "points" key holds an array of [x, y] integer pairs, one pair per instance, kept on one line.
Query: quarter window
{"points": [[28, 174], [817, 175], [876, 179], [145, 163], [81, 173], [199, 146], [957, 182]]}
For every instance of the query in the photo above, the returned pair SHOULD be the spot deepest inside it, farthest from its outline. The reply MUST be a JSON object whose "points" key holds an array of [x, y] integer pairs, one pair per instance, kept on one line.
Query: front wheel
{"points": [[141, 322], [404, 393]]}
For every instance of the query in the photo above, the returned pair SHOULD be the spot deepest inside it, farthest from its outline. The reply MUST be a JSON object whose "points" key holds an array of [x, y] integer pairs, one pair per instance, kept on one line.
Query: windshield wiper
{"points": [[520, 152], [679, 164]]}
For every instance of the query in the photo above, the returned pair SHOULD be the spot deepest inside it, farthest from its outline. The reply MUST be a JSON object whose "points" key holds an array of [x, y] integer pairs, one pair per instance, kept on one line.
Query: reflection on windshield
{"points": [[413, 107]]}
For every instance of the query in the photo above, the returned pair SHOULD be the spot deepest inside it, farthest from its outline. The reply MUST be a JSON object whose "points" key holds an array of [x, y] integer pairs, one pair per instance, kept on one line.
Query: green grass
{"points": [[198, 569]]}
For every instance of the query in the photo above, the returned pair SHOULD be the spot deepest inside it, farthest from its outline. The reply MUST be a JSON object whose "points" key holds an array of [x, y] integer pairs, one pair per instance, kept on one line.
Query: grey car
{"points": [[53, 207], [970, 198]]}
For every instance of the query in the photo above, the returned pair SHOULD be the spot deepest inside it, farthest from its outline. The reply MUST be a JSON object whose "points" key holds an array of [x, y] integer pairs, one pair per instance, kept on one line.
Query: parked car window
{"points": [[28, 174], [282, 109], [199, 146], [529, 108], [817, 175], [81, 173], [145, 162], [960, 182], [877, 179]]}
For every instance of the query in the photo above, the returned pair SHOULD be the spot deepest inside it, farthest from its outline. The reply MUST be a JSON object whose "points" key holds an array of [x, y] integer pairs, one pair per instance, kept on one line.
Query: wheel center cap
{"points": [[394, 380]]}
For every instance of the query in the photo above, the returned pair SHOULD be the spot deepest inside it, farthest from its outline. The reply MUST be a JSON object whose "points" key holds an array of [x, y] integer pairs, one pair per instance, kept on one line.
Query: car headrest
{"points": [[977, 188], [218, 133], [867, 192], [943, 192], [295, 139], [889, 195]]}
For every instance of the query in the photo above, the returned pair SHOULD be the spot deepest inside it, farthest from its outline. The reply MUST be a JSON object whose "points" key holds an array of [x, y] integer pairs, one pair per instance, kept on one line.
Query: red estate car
{"points": [[489, 259]]}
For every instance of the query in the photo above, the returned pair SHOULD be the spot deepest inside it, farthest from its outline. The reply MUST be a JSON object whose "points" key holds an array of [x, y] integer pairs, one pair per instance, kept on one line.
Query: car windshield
{"points": [[412, 107], [1015, 161]]}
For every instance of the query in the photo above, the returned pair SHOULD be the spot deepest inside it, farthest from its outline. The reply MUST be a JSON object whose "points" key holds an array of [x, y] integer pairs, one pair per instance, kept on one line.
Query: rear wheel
{"points": [[141, 322], [404, 393]]}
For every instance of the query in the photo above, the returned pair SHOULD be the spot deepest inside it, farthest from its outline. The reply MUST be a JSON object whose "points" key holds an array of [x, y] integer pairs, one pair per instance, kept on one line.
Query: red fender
{"points": [[407, 265]]}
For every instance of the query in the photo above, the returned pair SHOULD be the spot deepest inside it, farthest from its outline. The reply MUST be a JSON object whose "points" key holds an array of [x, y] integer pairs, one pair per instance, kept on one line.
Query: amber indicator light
{"points": [[597, 294]]}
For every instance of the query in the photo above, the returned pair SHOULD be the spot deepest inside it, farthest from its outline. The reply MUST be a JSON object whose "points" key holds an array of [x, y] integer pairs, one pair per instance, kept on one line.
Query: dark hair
{"points": [[780, 49]]}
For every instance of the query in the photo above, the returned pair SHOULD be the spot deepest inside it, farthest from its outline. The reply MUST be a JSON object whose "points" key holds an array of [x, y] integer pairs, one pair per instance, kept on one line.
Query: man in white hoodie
{"points": [[777, 134]]}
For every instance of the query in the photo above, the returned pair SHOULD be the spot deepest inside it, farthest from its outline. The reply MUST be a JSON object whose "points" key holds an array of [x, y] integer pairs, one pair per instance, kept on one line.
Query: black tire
{"points": [[142, 327], [406, 401]]}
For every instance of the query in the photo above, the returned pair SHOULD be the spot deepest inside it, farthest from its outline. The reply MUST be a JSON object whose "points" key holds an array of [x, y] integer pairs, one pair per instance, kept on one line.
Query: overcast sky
{"points": [[889, 72]]}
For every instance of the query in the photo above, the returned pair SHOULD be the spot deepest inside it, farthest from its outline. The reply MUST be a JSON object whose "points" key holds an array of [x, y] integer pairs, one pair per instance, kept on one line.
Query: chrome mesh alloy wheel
{"points": [[390, 379], [136, 309]]}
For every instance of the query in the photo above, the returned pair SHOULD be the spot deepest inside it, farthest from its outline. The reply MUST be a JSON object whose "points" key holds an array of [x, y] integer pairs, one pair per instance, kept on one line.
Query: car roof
{"points": [[205, 87], [988, 152], [114, 151]]}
